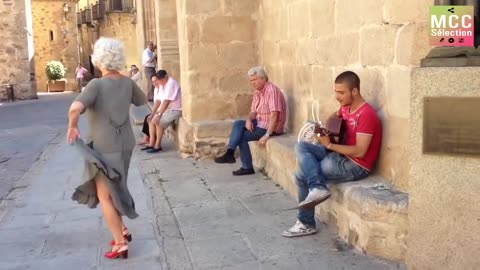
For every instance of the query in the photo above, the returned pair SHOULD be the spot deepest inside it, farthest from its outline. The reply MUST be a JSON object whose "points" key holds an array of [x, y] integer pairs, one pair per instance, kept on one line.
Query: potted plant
{"points": [[55, 73]]}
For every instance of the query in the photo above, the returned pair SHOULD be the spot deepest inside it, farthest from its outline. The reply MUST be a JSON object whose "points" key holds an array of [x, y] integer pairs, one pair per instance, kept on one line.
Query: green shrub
{"points": [[55, 70]]}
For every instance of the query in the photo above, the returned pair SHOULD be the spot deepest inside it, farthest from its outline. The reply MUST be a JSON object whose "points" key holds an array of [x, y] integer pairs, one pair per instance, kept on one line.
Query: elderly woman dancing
{"points": [[110, 141]]}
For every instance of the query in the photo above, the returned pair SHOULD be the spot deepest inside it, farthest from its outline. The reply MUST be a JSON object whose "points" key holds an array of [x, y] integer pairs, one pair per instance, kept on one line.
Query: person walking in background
{"points": [[110, 141], [80, 74]]}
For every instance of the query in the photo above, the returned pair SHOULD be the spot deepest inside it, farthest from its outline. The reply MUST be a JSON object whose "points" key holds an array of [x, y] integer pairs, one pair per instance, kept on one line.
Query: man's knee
{"points": [[299, 178], [238, 124], [301, 148], [328, 166]]}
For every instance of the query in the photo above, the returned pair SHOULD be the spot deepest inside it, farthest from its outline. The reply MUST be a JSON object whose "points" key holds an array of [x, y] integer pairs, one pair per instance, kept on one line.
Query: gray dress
{"points": [[107, 102]]}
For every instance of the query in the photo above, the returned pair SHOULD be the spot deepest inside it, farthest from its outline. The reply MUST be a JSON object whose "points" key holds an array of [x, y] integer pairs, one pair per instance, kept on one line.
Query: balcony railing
{"points": [[86, 16], [98, 11], [119, 5]]}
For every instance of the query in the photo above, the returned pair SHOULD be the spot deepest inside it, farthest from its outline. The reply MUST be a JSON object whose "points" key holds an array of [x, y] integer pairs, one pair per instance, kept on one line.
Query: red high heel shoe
{"points": [[126, 235], [118, 250]]}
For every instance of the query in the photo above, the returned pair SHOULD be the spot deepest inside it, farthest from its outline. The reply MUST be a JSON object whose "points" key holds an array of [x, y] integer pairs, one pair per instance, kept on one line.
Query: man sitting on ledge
{"points": [[267, 118], [352, 161]]}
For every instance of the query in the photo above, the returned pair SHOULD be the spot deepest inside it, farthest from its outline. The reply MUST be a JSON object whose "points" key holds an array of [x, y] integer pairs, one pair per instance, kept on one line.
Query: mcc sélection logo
{"points": [[451, 26]]}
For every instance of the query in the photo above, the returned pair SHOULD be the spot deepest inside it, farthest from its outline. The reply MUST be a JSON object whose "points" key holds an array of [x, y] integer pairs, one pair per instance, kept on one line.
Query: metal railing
{"points": [[86, 16], [98, 11], [119, 5]]}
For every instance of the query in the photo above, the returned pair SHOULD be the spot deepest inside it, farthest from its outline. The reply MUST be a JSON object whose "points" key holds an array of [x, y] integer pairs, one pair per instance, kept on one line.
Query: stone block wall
{"points": [[55, 38], [305, 44], [120, 26], [217, 44], [115, 25], [443, 208], [167, 37], [16, 50]]}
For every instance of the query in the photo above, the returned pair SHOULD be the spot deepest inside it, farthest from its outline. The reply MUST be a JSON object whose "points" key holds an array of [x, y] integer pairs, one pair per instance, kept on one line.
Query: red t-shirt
{"points": [[362, 121]]}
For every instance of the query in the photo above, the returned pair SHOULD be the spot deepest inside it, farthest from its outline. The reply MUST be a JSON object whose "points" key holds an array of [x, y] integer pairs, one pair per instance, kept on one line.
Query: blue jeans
{"points": [[240, 137], [316, 166]]}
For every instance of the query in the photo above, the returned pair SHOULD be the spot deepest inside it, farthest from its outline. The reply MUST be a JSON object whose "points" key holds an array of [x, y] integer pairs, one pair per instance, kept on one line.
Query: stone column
{"points": [[217, 41], [443, 205], [16, 61], [140, 32], [167, 37], [149, 24]]}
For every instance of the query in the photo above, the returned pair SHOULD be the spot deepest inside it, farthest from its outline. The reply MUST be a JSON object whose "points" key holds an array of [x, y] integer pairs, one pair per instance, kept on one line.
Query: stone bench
{"points": [[368, 214]]}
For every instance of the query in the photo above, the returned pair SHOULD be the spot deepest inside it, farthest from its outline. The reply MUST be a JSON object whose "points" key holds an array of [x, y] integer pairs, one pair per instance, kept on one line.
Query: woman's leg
{"points": [[112, 218], [152, 133]]}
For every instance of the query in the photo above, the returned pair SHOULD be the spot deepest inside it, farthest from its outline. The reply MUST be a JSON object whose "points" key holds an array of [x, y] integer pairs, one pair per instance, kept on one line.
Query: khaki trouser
{"points": [[149, 71]]}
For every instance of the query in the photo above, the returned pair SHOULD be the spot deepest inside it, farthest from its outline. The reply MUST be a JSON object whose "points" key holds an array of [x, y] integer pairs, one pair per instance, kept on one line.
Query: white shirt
{"points": [[137, 76], [157, 95], [147, 55], [172, 92]]}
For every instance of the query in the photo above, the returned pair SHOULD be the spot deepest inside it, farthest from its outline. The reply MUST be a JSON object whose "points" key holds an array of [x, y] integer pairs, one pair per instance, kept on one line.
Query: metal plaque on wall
{"points": [[451, 125]]}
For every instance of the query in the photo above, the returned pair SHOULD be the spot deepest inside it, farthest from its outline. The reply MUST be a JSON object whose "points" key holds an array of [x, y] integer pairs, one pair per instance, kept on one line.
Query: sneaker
{"points": [[314, 197], [226, 158], [299, 229], [243, 171]]}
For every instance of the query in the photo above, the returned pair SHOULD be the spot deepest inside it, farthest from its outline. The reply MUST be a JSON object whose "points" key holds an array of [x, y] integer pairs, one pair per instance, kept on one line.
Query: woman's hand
{"points": [[149, 118], [72, 135]]}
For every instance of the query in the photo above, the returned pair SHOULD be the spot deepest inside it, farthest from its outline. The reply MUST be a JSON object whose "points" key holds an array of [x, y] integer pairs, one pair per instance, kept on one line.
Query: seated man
{"points": [[169, 109], [134, 74], [352, 161], [267, 117]]}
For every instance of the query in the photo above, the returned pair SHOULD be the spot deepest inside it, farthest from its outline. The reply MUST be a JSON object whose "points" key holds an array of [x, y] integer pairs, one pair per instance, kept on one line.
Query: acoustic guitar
{"points": [[334, 128]]}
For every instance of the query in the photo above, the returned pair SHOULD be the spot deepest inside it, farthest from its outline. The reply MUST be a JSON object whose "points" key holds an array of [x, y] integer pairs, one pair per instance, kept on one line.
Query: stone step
{"points": [[369, 214]]}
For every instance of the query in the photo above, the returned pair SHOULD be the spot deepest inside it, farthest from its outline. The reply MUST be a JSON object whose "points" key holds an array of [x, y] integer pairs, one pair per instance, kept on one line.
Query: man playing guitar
{"points": [[352, 160]]}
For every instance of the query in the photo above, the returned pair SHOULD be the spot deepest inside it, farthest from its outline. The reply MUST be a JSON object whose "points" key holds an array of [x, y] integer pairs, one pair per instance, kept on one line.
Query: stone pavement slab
{"points": [[228, 222], [193, 215], [42, 228]]}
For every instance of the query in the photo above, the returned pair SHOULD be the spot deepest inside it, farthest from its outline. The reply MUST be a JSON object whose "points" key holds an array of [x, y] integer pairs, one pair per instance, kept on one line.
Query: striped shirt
{"points": [[269, 99]]}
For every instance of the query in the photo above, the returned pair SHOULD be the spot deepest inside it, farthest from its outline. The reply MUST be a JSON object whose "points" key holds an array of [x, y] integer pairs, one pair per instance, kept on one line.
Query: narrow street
{"points": [[26, 128], [193, 215]]}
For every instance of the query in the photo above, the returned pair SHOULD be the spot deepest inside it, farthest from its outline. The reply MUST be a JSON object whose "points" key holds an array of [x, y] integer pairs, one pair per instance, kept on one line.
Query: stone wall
{"points": [[55, 38], [16, 58], [167, 37], [217, 43], [444, 189], [305, 44], [120, 26]]}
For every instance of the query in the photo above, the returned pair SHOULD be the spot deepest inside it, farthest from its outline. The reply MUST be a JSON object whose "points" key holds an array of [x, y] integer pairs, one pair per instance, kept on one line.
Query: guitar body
{"points": [[334, 128]]}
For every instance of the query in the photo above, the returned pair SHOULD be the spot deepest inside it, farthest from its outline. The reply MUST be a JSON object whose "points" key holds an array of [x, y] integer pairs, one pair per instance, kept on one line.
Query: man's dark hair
{"points": [[153, 75], [349, 78], [161, 74]]}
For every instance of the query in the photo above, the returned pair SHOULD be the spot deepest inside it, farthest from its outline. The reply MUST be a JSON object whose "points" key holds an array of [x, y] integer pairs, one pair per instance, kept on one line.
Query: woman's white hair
{"points": [[108, 54], [259, 71]]}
